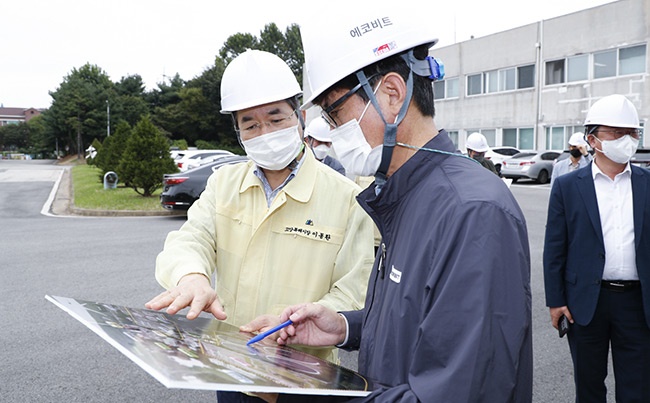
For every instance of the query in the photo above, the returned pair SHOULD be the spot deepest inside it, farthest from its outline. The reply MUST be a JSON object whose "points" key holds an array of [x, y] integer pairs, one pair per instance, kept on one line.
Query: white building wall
{"points": [[619, 24]]}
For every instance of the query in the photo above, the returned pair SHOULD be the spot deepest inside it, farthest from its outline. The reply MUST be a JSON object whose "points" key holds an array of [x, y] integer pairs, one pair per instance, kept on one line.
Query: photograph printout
{"points": [[210, 355]]}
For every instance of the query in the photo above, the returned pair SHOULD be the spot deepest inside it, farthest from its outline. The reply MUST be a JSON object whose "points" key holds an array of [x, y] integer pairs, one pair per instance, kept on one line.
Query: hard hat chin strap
{"points": [[390, 129]]}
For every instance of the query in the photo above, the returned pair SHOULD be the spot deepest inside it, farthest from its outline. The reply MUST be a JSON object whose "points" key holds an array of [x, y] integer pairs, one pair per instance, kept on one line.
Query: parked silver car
{"points": [[535, 165]]}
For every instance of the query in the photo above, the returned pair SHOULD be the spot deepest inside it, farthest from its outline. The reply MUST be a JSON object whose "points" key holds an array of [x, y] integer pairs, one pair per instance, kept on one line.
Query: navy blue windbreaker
{"points": [[447, 316]]}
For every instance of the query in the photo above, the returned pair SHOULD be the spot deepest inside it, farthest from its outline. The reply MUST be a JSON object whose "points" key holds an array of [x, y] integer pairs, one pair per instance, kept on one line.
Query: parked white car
{"points": [[187, 159], [498, 154]]}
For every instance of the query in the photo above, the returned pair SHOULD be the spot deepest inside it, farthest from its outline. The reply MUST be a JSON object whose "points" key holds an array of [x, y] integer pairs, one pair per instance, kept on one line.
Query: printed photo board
{"points": [[207, 354]]}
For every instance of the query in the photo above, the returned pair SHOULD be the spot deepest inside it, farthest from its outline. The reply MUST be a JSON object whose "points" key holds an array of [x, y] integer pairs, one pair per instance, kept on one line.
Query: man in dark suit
{"points": [[597, 258]]}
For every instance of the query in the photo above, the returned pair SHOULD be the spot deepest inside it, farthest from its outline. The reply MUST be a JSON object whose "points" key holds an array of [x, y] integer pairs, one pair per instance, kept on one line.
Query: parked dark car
{"points": [[641, 158], [181, 189]]}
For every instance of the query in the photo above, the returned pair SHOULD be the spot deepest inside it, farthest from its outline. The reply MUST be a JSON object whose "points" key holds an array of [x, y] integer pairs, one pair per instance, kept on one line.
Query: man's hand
{"points": [[583, 150], [313, 325], [261, 324], [557, 312], [193, 290]]}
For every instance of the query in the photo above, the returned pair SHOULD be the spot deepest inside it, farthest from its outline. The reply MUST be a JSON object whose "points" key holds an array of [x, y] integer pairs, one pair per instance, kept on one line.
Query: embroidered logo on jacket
{"points": [[395, 274]]}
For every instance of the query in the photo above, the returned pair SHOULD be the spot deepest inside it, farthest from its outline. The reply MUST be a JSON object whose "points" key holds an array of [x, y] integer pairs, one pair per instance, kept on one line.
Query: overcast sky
{"points": [[43, 40]]}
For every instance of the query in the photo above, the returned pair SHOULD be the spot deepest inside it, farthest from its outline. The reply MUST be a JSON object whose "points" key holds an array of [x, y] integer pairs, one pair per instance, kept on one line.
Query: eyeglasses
{"points": [[327, 112], [634, 133], [253, 128]]}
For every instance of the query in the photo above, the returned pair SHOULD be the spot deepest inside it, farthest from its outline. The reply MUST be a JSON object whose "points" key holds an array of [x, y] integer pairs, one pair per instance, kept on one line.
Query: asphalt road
{"points": [[47, 356]]}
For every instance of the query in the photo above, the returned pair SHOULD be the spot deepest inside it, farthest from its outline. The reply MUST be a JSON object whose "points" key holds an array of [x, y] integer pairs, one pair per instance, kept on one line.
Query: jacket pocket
{"points": [[570, 277]]}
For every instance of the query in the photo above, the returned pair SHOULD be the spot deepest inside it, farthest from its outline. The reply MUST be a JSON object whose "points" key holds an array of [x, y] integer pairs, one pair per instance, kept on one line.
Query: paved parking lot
{"points": [[48, 356]]}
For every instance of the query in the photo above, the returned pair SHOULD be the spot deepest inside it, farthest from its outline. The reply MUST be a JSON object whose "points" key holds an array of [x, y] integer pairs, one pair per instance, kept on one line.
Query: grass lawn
{"points": [[89, 193]]}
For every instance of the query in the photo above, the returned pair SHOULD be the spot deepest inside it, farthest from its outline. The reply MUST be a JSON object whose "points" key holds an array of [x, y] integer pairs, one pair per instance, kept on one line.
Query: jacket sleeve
{"points": [[555, 249], [192, 248], [353, 263]]}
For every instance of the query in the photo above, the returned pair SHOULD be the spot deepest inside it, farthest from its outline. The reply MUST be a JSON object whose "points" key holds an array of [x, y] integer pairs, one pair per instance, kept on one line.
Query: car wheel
{"points": [[542, 177]]}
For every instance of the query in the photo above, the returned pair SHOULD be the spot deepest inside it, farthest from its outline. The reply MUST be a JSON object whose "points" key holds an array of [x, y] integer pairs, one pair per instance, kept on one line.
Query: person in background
{"points": [[579, 157], [266, 229], [447, 317], [597, 258], [477, 146], [317, 137]]}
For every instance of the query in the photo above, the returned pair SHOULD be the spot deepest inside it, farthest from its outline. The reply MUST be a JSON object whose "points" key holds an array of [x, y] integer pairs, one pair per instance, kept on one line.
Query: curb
{"points": [[63, 204]]}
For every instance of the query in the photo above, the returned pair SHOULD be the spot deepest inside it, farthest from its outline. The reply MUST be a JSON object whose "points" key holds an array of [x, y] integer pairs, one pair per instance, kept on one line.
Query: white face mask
{"points": [[274, 151], [320, 151], [619, 150], [352, 149]]}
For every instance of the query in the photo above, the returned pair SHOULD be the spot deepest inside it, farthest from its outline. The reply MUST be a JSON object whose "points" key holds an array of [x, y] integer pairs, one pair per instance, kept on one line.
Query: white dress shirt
{"points": [[616, 211]]}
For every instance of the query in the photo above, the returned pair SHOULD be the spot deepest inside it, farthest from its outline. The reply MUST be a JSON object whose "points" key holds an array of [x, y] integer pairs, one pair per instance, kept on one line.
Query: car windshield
{"points": [[506, 151]]}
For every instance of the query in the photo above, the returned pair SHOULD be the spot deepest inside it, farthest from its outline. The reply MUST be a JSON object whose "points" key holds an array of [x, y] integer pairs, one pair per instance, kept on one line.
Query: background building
{"points": [[530, 87], [13, 116]]}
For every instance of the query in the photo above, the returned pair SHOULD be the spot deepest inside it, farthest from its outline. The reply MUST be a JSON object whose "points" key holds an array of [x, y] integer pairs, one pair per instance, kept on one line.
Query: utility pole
{"points": [[108, 118]]}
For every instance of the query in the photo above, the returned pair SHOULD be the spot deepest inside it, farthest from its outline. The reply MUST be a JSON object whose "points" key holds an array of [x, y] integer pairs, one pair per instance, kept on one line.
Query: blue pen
{"points": [[268, 332]]}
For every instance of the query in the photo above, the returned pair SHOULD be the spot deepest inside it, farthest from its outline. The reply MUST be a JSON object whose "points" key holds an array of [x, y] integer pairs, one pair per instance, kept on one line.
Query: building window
{"points": [[526, 138], [526, 76], [453, 135], [555, 72], [474, 84], [605, 64], [631, 60], [447, 88], [507, 79], [490, 136], [452, 87], [491, 81], [509, 137], [556, 138], [523, 138], [578, 68], [439, 89]]}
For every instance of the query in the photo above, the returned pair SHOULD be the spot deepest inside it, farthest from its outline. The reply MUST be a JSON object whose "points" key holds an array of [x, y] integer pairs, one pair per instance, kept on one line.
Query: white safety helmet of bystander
{"points": [[615, 111], [256, 78], [577, 139], [477, 142], [319, 129]]}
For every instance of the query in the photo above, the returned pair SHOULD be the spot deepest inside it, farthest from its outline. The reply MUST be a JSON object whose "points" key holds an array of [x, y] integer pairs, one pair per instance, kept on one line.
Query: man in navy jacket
{"points": [[597, 258], [447, 316]]}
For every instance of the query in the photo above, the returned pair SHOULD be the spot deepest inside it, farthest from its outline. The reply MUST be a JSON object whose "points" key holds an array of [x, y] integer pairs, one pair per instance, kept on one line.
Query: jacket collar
{"points": [[300, 188]]}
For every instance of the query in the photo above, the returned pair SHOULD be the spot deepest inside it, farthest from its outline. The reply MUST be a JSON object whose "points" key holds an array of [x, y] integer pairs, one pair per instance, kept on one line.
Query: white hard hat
{"points": [[477, 142], [319, 129], [337, 44], [577, 139], [613, 110], [256, 78]]}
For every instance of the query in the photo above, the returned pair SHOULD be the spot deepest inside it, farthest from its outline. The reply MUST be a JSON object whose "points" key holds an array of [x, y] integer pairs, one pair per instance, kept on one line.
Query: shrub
{"points": [[146, 158]]}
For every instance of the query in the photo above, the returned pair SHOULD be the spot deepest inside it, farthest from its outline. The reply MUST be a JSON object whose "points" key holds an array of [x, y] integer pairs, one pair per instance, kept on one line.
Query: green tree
{"points": [[39, 144], [130, 102], [108, 158], [146, 158], [15, 137], [78, 110]]}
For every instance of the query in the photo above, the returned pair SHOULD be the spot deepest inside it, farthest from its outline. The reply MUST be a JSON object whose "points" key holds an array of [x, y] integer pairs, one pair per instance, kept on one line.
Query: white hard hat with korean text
{"points": [[340, 41]]}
